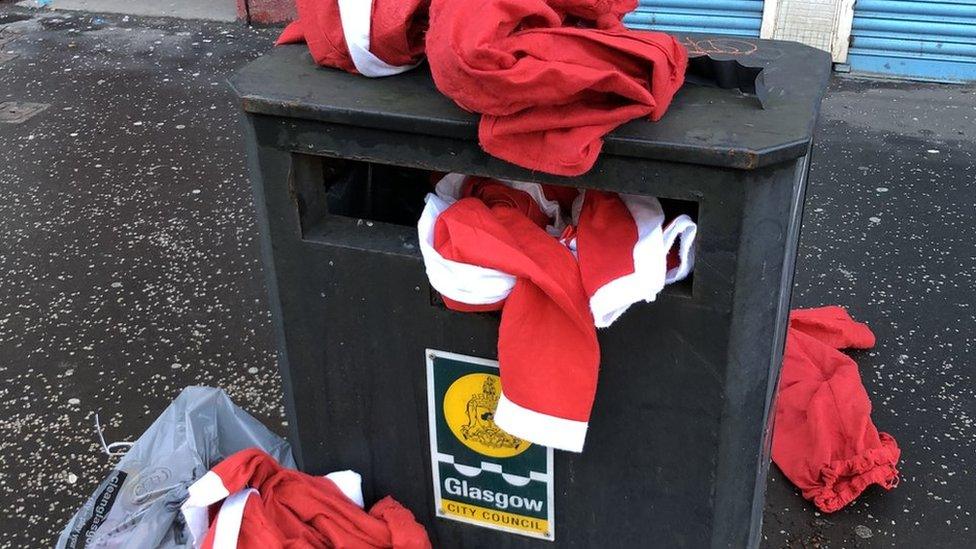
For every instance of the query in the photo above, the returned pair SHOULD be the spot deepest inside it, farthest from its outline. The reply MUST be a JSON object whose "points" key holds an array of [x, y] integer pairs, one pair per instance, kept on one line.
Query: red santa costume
{"points": [[490, 245], [550, 77], [372, 38], [249, 501], [823, 438]]}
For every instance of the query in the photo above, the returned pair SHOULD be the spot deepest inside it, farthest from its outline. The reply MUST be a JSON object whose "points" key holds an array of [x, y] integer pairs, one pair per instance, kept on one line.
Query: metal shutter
{"points": [[923, 39], [738, 17]]}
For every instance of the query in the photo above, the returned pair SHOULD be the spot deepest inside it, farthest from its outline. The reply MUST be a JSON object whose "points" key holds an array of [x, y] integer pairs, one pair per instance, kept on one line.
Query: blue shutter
{"points": [[737, 17], [922, 39]]}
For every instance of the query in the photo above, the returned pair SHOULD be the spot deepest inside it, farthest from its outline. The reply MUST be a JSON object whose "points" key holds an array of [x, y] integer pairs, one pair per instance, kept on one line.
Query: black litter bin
{"points": [[678, 445]]}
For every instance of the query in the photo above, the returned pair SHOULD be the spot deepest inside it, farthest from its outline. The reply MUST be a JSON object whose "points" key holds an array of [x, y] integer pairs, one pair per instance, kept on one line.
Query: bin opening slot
{"points": [[358, 190], [389, 199]]}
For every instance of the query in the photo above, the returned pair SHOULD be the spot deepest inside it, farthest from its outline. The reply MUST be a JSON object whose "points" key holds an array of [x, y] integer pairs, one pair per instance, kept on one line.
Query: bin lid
{"points": [[705, 124]]}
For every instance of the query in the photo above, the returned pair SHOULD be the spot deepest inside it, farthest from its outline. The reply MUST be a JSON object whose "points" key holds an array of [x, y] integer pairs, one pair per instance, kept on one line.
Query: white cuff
{"points": [[684, 230], [357, 18], [207, 490], [614, 298], [538, 428], [229, 519], [349, 483]]}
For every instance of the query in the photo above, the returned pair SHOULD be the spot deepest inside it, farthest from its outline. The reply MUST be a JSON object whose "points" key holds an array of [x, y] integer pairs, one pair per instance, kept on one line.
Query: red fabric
{"points": [[823, 438], [296, 510], [494, 193], [605, 244], [547, 348], [565, 196], [396, 32], [550, 77], [674, 259]]}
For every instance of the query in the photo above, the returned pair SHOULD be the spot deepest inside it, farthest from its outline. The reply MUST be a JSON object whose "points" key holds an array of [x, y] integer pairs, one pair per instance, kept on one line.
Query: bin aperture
{"points": [[344, 195], [358, 190]]}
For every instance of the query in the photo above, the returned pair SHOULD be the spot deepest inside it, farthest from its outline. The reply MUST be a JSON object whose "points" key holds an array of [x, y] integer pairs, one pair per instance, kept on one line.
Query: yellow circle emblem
{"points": [[469, 408]]}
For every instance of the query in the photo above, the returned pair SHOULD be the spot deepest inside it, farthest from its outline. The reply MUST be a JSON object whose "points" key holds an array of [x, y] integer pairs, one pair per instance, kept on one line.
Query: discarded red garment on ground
{"points": [[378, 38], [823, 438], [263, 505], [556, 276], [550, 77]]}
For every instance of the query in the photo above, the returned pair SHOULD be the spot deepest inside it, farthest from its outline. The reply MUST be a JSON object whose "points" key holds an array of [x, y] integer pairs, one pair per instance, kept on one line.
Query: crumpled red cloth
{"points": [[396, 32], [267, 506], [550, 77], [498, 195], [823, 438]]}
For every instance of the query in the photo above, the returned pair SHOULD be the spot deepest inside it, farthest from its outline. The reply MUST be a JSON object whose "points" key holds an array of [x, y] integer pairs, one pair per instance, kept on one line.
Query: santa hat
{"points": [[373, 38], [505, 245], [250, 501], [823, 438]]}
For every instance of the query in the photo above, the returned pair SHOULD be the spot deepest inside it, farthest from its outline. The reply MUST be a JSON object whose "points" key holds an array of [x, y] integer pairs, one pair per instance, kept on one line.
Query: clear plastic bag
{"points": [[138, 505]]}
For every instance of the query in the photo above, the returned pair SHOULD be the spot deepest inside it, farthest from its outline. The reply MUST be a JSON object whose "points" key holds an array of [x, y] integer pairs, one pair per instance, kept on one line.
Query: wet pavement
{"points": [[128, 255], [888, 232], [210, 10], [129, 268]]}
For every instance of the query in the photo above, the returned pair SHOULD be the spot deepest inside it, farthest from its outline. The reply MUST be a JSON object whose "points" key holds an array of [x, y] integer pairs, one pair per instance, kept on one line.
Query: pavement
{"points": [[887, 232], [129, 267], [211, 10]]}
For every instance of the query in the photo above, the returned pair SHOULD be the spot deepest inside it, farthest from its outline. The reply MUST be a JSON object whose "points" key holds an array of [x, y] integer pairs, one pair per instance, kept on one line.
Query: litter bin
{"points": [[678, 444]]}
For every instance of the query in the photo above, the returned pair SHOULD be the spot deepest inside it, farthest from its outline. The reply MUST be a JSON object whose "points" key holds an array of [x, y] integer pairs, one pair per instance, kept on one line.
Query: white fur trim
{"points": [[539, 428], [684, 229], [207, 490], [356, 16], [229, 519], [449, 187], [463, 282], [650, 263], [350, 483]]}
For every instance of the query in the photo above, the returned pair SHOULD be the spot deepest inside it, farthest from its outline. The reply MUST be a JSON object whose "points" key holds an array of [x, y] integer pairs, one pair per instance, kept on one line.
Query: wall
{"points": [[266, 12]]}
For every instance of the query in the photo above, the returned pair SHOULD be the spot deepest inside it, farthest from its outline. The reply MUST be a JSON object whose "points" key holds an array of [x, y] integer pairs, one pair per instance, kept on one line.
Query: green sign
{"points": [[483, 475]]}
